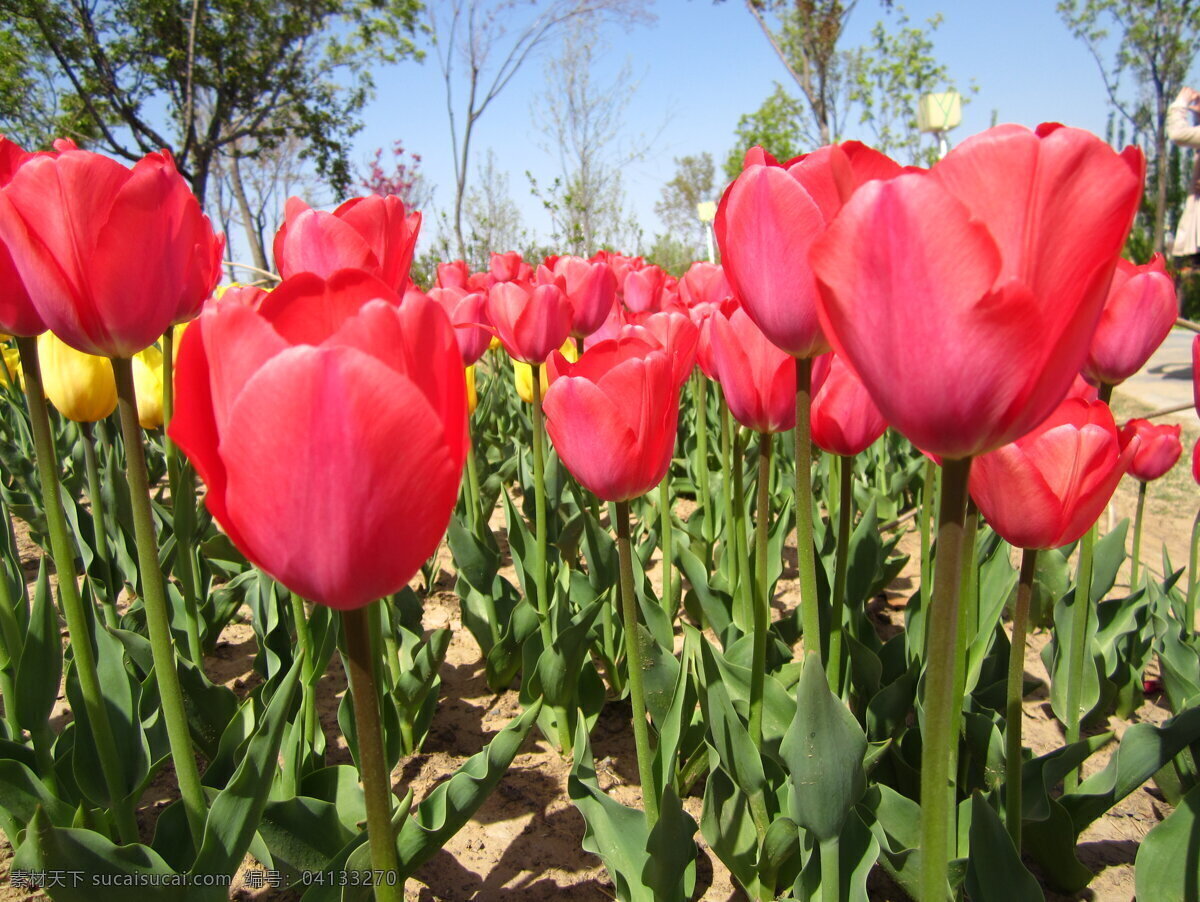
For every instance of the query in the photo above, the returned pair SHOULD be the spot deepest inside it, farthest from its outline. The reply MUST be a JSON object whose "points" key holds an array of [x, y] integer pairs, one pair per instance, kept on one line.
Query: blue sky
{"points": [[700, 66]]}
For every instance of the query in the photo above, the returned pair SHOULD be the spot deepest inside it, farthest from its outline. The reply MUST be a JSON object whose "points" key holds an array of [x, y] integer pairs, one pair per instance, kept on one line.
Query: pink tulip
{"points": [[531, 324], [704, 283], [510, 267], [1048, 487], [18, 316], [1139, 312], [1159, 451], [592, 290], [643, 289], [845, 420], [375, 234], [758, 378], [612, 416], [468, 314], [675, 333], [330, 427], [117, 257], [965, 297]]}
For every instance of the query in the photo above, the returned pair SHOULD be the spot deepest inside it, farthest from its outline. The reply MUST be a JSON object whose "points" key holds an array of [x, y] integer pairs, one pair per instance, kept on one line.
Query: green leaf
{"points": [[994, 871], [50, 848], [237, 809], [823, 750], [39, 671], [1167, 868], [451, 804], [21, 794]]}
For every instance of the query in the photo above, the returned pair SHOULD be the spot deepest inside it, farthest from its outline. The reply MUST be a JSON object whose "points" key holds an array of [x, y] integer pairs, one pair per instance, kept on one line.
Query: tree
{"points": [[202, 78], [404, 181], [482, 44], [1154, 43], [693, 183], [491, 220], [583, 121], [775, 126]]}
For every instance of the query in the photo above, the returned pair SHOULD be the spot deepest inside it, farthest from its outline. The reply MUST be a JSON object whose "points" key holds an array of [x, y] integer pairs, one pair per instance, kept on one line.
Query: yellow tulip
{"points": [[11, 371], [79, 385], [494, 343], [148, 384], [472, 397], [523, 372]]}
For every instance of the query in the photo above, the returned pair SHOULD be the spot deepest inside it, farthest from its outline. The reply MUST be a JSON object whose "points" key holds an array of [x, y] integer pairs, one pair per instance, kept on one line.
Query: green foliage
{"points": [[231, 78], [693, 183], [775, 125]]}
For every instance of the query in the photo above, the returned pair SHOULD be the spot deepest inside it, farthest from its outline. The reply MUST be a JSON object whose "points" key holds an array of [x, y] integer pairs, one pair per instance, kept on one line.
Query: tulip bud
{"points": [[80, 386]]}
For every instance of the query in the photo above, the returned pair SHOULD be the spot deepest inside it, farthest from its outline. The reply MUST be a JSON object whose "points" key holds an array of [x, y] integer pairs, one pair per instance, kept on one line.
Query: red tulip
{"points": [[612, 416], [117, 257], [758, 378], [592, 290], [643, 289], [330, 428], [844, 418], [510, 267], [1160, 448], [704, 283], [767, 221], [375, 234], [468, 315], [1140, 311], [965, 297], [1048, 487], [1196, 373], [675, 333], [453, 275], [1196, 462], [18, 316], [1083, 390], [531, 324]]}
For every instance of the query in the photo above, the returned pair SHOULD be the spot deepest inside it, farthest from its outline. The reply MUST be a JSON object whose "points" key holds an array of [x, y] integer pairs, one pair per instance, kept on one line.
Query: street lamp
{"points": [[706, 210], [937, 114]]}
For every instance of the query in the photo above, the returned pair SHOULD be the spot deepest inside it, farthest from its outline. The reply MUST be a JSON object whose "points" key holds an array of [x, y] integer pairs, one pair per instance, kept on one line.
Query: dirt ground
{"points": [[524, 843]]}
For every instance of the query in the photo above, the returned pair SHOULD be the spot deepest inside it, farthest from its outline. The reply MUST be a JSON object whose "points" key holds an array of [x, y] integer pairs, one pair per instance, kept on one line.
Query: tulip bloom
{"points": [[330, 426], [1160, 448], [965, 297], [643, 289], [523, 373], [675, 333], [120, 255], [17, 313], [509, 267], [80, 386], [592, 290], [530, 324], [374, 234], [758, 378], [468, 315], [766, 223], [704, 283], [148, 384], [612, 416], [1048, 487], [1139, 312], [845, 420]]}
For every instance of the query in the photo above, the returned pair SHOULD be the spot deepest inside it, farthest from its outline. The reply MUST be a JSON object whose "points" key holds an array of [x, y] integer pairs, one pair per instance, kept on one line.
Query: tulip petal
{"points": [[321, 243], [307, 309], [591, 437], [310, 486], [1014, 496]]}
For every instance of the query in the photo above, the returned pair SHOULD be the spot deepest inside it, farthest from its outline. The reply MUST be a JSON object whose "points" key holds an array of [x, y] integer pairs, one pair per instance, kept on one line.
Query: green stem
{"points": [[1193, 579], [1080, 609], [1016, 691], [304, 642], [840, 566], [762, 597], [540, 576], [158, 620], [74, 613], [183, 493], [831, 876], [664, 519], [745, 587], [637, 696], [809, 612], [474, 505], [940, 703], [704, 489], [927, 506], [965, 635], [1136, 557], [372, 767], [96, 497], [11, 640], [729, 553]]}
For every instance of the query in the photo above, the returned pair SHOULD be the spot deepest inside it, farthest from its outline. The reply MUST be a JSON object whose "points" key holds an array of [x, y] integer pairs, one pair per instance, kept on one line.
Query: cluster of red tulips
{"points": [[330, 421]]}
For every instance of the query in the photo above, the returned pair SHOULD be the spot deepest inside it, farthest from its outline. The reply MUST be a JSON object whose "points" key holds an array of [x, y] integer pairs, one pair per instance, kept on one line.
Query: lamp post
{"points": [[937, 114], [706, 210]]}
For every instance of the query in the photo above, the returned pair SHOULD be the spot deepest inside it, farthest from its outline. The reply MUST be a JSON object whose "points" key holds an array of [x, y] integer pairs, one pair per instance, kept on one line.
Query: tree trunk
{"points": [[257, 251]]}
